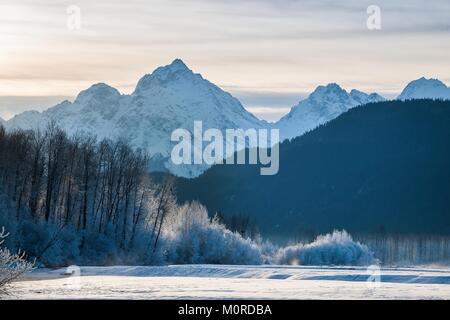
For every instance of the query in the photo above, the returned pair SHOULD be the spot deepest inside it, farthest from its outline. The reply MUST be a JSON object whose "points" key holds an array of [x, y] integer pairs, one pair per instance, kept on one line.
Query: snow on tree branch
{"points": [[12, 266]]}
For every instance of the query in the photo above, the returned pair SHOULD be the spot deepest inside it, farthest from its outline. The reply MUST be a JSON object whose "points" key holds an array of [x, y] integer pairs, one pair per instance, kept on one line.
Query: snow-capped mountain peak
{"points": [[331, 87], [176, 71], [322, 105], [363, 97], [98, 92], [331, 91], [177, 65], [170, 98], [425, 88], [173, 97]]}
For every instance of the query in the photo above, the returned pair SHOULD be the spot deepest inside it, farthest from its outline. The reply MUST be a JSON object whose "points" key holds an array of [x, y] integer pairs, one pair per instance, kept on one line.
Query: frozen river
{"points": [[235, 282]]}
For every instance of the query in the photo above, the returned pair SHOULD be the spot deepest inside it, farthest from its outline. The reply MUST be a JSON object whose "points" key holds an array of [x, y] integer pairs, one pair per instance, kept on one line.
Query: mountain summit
{"points": [[169, 98], [175, 71], [324, 104], [425, 88], [98, 92]]}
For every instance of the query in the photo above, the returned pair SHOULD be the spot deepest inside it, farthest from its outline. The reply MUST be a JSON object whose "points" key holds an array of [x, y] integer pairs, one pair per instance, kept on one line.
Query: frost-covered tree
{"points": [[337, 248], [166, 205], [194, 237], [12, 266], [73, 199]]}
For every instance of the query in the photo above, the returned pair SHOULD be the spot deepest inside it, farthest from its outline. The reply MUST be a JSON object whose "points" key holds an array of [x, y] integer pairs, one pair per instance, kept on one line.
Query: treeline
{"points": [[73, 180], [76, 183], [75, 200], [408, 250], [72, 200]]}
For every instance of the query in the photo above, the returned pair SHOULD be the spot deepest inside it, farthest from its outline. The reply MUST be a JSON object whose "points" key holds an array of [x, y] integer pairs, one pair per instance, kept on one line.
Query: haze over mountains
{"points": [[174, 97]]}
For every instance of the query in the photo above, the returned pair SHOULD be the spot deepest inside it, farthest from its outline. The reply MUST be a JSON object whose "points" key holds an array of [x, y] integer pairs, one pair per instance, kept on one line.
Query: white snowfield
{"points": [[234, 282]]}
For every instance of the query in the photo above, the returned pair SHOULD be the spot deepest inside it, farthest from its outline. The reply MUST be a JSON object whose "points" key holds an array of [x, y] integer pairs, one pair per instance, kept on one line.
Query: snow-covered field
{"points": [[234, 282]]}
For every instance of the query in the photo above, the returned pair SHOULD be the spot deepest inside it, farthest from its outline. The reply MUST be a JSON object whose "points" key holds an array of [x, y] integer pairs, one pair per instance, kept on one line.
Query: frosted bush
{"points": [[222, 246], [51, 245], [12, 266], [337, 248], [189, 236], [195, 238], [99, 249], [268, 250]]}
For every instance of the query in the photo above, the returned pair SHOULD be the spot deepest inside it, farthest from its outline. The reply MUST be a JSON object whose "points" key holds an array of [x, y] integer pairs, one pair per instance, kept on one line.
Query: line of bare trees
{"points": [[79, 182]]}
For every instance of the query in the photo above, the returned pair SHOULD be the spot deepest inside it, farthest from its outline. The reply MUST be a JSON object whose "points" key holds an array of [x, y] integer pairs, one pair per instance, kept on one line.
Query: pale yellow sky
{"points": [[267, 53]]}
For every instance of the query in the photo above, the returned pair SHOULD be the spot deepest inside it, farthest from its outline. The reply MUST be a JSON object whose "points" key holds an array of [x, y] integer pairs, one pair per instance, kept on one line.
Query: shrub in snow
{"points": [[99, 249], [195, 238], [337, 248], [12, 266], [51, 245]]}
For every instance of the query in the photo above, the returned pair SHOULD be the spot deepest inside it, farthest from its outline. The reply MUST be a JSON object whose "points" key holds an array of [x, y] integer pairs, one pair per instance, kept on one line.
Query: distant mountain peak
{"points": [[334, 86], [169, 98], [363, 98], [329, 88], [329, 92], [322, 105], [425, 88], [174, 71], [98, 91], [178, 64], [431, 82]]}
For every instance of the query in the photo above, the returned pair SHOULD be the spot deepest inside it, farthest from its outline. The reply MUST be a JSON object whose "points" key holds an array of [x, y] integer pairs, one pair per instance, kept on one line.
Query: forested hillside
{"points": [[382, 167]]}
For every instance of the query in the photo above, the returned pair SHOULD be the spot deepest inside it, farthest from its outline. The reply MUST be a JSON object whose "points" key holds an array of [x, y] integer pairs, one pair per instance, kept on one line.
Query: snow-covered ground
{"points": [[234, 282]]}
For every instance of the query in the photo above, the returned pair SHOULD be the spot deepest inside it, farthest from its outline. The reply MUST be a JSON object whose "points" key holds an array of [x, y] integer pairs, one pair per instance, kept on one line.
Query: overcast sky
{"points": [[268, 53]]}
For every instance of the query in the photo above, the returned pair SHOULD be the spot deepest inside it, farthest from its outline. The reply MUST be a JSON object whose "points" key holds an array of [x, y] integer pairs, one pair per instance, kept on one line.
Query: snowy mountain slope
{"points": [[324, 104], [25, 120], [363, 98], [169, 98], [425, 88]]}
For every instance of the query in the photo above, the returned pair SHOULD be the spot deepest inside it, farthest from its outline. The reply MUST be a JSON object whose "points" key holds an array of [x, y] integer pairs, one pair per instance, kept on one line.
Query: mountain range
{"points": [[169, 98], [173, 96]]}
